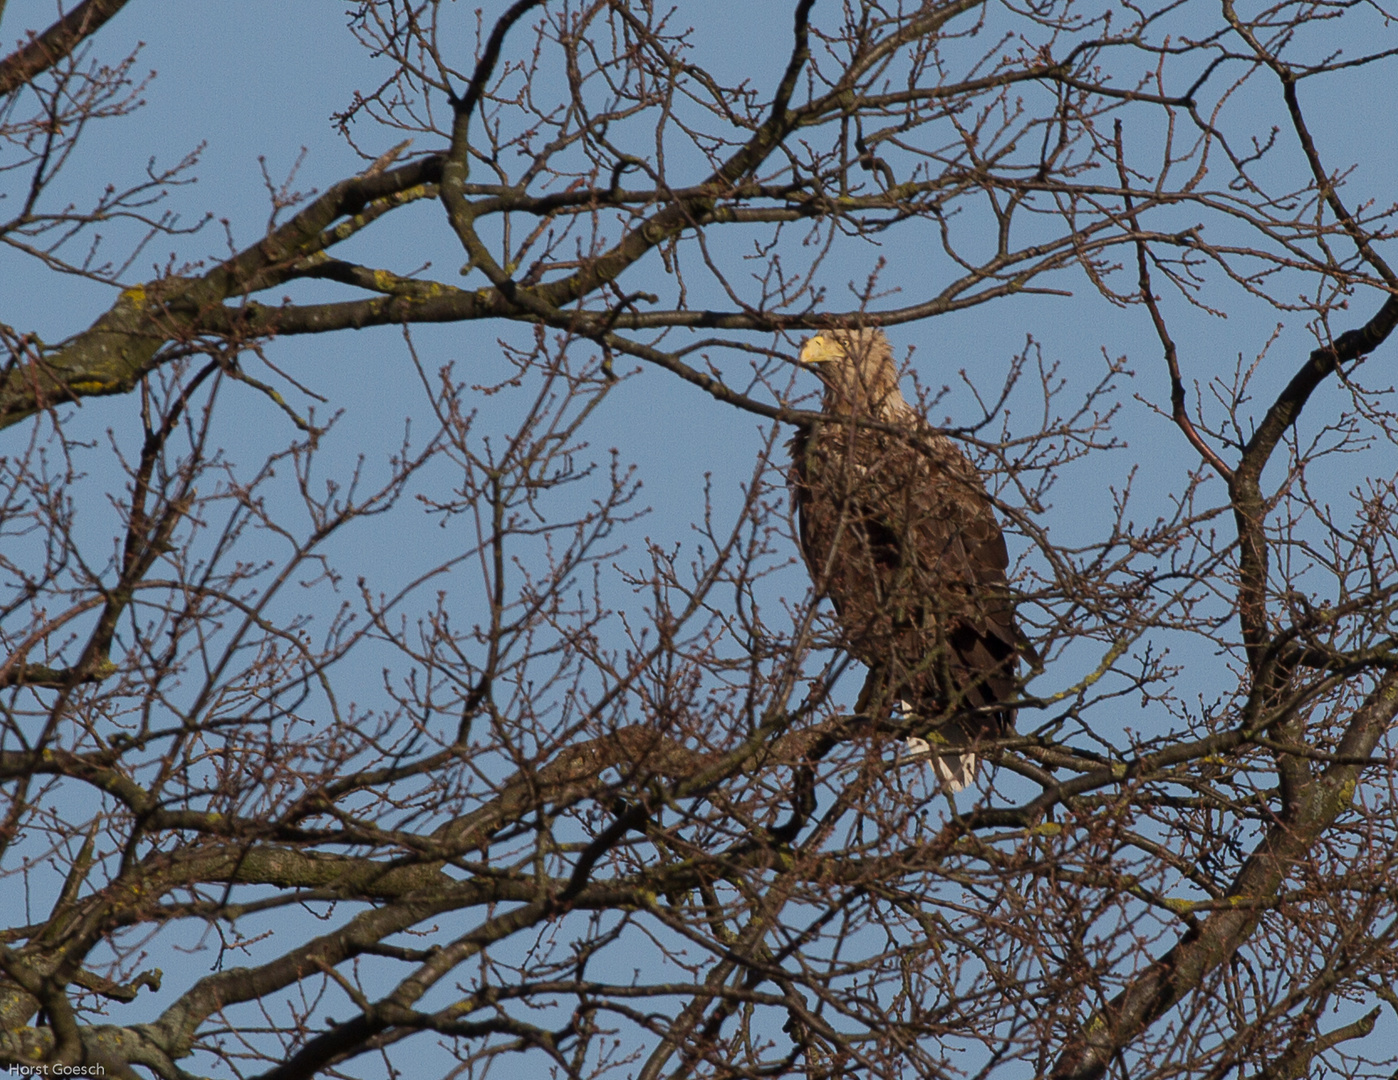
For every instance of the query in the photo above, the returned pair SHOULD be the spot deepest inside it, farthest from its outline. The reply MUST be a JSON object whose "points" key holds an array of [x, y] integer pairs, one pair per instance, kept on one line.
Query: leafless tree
{"points": [[579, 798]]}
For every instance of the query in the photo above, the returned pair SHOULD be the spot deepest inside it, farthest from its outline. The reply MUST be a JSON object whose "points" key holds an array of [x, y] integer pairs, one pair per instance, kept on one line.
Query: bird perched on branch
{"points": [[898, 531]]}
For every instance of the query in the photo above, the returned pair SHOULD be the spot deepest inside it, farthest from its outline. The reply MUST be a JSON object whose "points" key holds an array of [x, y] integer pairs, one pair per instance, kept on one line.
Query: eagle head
{"points": [[858, 371]]}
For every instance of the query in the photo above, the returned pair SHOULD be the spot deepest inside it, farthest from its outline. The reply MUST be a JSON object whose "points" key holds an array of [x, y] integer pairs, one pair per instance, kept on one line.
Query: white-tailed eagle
{"points": [[898, 531]]}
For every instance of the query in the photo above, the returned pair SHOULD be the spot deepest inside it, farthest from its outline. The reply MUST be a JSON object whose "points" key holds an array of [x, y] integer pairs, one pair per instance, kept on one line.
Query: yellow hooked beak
{"points": [[820, 349]]}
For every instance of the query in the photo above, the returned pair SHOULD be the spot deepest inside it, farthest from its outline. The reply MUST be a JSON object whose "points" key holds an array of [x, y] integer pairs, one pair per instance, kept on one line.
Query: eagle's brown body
{"points": [[898, 531]]}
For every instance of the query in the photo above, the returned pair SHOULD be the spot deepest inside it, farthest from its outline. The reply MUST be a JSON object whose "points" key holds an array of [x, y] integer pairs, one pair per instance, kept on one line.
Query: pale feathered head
{"points": [[858, 371]]}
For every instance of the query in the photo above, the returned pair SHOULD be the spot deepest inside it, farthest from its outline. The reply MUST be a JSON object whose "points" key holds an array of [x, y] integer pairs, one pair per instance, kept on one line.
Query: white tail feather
{"points": [[954, 771]]}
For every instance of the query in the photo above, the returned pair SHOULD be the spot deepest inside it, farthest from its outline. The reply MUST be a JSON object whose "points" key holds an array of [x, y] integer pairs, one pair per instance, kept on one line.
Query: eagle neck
{"points": [[887, 408], [893, 409]]}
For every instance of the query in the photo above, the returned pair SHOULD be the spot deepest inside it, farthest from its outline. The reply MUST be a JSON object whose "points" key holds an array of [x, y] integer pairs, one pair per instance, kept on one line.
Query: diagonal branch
{"points": [[59, 40], [1183, 969], [1245, 491]]}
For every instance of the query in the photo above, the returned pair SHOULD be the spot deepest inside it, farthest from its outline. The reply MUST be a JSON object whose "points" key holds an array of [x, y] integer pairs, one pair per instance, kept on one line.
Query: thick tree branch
{"points": [[55, 43], [1184, 968]]}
